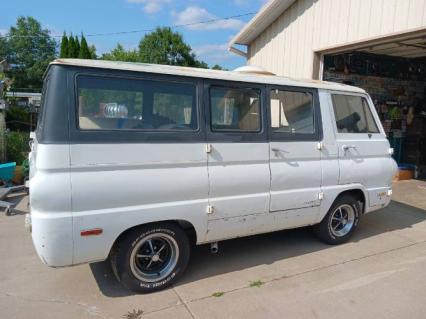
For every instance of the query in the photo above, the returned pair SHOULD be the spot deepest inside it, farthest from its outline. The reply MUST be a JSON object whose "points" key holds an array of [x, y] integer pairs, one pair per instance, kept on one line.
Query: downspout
{"points": [[237, 51]]}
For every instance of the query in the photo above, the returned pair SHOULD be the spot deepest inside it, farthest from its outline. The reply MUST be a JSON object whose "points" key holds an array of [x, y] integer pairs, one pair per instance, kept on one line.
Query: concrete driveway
{"points": [[381, 273]]}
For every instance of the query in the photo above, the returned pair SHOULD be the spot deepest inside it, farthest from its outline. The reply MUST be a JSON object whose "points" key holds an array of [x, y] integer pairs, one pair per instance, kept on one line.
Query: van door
{"points": [[295, 132], [364, 156], [238, 159]]}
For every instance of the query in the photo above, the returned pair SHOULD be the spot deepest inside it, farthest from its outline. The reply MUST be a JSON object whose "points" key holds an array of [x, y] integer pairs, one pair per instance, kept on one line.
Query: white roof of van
{"points": [[206, 73]]}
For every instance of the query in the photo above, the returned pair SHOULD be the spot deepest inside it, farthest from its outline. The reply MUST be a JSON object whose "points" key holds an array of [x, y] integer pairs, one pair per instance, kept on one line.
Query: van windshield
{"points": [[132, 104]]}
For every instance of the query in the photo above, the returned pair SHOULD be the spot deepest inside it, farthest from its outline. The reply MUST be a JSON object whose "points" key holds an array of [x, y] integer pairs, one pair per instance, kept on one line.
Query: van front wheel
{"points": [[151, 257], [340, 222]]}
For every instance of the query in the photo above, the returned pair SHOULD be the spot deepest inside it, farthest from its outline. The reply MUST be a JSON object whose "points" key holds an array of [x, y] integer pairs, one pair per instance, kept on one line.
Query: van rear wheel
{"points": [[340, 222], [151, 257]]}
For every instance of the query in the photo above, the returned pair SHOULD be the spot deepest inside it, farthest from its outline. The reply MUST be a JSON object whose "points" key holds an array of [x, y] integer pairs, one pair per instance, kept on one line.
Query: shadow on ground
{"points": [[247, 252]]}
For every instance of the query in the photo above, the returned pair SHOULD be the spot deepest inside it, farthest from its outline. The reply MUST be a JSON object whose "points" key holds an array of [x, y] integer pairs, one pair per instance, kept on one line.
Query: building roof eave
{"points": [[265, 17]]}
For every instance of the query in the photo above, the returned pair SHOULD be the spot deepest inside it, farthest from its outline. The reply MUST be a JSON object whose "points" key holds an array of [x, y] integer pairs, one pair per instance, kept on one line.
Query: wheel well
{"points": [[358, 194], [185, 225]]}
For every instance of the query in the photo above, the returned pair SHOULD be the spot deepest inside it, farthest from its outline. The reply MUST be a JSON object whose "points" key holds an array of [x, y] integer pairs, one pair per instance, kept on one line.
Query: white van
{"points": [[136, 162]]}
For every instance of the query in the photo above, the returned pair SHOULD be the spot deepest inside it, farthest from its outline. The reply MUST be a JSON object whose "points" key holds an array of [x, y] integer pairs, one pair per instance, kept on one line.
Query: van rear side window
{"points": [[292, 112], [353, 115], [42, 104], [131, 104], [235, 109]]}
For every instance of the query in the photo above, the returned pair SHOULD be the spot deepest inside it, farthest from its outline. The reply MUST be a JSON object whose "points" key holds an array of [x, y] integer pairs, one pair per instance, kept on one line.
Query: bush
{"points": [[26, 168], [17, 147], [18, 118]]}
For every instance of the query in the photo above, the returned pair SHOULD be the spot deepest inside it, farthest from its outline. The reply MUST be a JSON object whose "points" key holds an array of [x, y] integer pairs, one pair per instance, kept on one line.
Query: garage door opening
{"points": [[394, 74]]}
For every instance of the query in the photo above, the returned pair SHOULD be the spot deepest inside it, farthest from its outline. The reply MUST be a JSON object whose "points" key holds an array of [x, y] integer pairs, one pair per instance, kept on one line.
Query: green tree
{"points": [[217, 67], [17, 146], [201, 64], [64, 47], [120, 54], [84, 49], [77, 47], [17, 117], [3, 48], [72, 49], [92, 50], [163, 46], [30, 50], [3, 54]]}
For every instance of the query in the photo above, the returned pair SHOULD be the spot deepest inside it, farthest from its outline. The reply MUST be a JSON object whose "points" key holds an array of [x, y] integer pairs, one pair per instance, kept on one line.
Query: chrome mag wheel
{"points": [[342, 220], [154, 257]]}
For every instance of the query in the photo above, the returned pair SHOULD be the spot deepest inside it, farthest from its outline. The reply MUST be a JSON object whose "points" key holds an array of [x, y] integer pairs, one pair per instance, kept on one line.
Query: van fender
{"points": [[332, 192], [114, 222]]}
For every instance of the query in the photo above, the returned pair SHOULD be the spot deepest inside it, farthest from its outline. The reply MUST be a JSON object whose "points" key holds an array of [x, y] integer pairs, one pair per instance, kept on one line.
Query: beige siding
{"points": [[286, 47]]}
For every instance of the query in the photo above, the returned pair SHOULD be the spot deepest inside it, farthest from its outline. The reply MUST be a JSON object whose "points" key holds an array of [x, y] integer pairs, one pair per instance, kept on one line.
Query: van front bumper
{"points": [[379, 198], [52, 238]]}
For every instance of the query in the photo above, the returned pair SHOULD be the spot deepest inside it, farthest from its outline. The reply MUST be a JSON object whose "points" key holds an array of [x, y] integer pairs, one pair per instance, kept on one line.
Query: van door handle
{"points": [[347, 147], [277, 150]]}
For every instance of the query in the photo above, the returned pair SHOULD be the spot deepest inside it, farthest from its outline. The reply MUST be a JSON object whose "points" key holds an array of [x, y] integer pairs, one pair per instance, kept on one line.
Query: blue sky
{"points": [[209, 41]]}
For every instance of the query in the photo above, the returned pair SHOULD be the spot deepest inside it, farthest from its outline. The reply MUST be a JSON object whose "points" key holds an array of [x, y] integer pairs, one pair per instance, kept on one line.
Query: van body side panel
{"points": [[50, 200], [371, 165], [295, 175], [368, 164], [241, 226], [239, 186], [239, 179], [119, 186]]}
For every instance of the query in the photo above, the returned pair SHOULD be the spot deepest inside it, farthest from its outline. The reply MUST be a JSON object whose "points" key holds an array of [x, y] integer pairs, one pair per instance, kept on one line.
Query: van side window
{"points": [[42, 103], [292, 112], [133, 104], [353, 115], [235, 109]]}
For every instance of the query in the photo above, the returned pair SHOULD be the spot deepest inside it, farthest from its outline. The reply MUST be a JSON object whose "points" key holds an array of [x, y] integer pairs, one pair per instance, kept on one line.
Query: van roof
{"points": [[206, 73]]}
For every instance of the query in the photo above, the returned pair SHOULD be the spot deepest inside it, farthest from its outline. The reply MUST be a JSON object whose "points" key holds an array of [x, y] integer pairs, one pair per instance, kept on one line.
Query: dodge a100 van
{"points": [[137, 162]]}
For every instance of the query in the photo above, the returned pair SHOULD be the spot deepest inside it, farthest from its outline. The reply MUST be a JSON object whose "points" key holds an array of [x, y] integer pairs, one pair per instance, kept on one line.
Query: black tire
{"points": [[327, 229], [129, 269]]}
